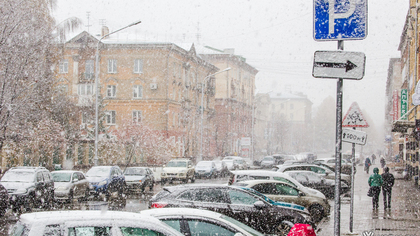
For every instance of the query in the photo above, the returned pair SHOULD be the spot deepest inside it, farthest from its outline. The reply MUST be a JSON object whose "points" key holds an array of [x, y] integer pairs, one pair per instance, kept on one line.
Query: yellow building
{"points": [[155, 84]]}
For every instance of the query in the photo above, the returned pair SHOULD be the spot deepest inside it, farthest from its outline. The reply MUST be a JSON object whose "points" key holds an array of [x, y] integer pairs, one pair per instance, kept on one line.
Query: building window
{"points": [[110, 117], [112, 66], [89, 69], [62, 89], [136, 116], [64, 66], [138, 66], [137, 91], [85, 89], [111, 91]]}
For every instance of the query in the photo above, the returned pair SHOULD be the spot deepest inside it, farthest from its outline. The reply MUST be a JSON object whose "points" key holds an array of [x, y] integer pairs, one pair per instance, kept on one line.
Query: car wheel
{"points": [[30, 203], [151, 186], [185, 180], [193, 179], [162, 182], [284, 227], [87, 194], [317, 212]]}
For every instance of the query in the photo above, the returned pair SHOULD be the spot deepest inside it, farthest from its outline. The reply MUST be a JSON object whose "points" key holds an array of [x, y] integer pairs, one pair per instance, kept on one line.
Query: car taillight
{"points": [[158, 205]]}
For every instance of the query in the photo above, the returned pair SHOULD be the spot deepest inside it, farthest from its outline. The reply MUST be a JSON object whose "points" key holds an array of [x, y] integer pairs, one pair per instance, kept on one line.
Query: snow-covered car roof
{"points": [[200, 213], [38, 220], [66, 171]]}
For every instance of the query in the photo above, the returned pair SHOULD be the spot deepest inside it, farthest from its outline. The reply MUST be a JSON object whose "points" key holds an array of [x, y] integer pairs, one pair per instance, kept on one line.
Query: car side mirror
{"points": [[259, 205], [75, 180], [301, 194], [326, 173]]}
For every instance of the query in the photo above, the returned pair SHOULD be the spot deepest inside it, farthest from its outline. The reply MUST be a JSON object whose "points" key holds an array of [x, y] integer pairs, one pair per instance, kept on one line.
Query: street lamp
{"points": [[202, 110], [95, 160]]}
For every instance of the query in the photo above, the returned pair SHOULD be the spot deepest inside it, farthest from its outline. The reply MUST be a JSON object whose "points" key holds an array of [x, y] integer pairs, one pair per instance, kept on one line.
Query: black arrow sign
{"points": [[348, 65]]}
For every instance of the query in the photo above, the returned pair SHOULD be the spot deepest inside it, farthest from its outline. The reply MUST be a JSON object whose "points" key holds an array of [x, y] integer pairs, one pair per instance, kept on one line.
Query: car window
{"points": [[331, 161], [266, 188], [317, 170], [90, 231], [199, 228], [75, 176], [61, 177], [242, 198], [130, 231], [204, 195], [173, 223], [81, 176], [53, 230], [284, 180], [46, 176], [286, 190], [19, 229], [39, 177], [259, 177]]}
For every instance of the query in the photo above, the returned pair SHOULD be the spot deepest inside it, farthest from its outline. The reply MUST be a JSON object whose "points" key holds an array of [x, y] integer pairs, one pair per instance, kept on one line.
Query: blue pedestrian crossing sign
{"points": [[340, 19]]}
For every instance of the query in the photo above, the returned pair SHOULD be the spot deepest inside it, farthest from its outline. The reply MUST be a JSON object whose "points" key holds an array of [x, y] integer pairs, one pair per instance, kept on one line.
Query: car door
{"points": [[83, 183], [213, 199], [242, 208], [75, 184]]}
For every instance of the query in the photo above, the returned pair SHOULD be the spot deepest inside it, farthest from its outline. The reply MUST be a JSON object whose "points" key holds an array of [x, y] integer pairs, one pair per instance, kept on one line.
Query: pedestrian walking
{"points": [[375, 183], [367, 165], [382, 161], [388, 182], [373, 158]]}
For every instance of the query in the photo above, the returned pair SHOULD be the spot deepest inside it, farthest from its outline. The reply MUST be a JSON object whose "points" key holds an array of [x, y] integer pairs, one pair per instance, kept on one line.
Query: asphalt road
{"points": [[133, 202]]}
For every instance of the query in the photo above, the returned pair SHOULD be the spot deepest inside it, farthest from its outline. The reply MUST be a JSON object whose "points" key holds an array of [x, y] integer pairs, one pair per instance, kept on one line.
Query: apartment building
{"points": [[157, 85]]}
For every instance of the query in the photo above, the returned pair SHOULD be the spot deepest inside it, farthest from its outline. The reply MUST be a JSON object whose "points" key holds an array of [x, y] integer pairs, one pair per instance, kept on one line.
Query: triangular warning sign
{"points": [[354, 117]]}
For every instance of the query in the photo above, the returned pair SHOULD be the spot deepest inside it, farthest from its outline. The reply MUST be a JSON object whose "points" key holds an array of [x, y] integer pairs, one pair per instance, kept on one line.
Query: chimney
{"points": [[105, 31]]}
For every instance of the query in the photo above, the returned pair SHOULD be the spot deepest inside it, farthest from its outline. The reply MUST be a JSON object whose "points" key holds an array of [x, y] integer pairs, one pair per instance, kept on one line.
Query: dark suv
{"points": [[31, 187], [248, 208], [106, 180]]}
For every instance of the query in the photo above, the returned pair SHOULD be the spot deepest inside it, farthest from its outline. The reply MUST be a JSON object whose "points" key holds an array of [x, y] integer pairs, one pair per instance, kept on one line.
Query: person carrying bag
{"points": [[375, 182]]}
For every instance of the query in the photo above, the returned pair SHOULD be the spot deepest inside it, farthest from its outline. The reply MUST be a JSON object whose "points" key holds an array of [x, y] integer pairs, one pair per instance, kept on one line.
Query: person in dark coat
{"points": [[375, 182], [388, 183], [382, 161], [367, 165]]}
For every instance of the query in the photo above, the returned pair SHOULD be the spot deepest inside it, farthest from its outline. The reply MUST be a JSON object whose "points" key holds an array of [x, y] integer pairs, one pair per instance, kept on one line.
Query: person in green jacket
{"points": [[375, 182]]}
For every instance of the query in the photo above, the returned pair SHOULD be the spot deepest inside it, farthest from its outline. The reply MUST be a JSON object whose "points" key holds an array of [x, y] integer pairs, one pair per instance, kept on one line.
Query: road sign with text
{"points": [[339, 64], [354, 136], [340, 20]]}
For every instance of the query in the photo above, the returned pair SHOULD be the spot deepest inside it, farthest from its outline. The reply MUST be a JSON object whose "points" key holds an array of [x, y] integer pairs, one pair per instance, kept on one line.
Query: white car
{"points": [[90, 223], [178, 169], [200, 221], [267, 162], [242, 175]]}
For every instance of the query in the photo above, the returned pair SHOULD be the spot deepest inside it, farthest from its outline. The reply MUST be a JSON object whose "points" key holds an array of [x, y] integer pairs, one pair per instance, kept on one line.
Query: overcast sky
{"points": [[274, 36]]}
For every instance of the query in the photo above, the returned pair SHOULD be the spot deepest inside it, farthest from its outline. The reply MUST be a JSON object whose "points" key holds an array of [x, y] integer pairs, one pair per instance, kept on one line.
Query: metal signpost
{"points": [[354, 118], [338, 21]]}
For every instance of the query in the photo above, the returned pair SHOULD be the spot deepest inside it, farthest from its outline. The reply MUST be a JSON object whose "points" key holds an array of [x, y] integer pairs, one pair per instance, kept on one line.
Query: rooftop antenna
{"points": [[88, 17]]}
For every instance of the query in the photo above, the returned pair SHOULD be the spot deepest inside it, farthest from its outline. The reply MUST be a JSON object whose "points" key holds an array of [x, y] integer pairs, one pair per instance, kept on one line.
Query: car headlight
{"points": [[21, 191]]}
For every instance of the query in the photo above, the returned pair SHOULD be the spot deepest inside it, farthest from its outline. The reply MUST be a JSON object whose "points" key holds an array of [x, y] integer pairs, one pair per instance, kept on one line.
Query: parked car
{"points": [[267, 162], [69, 185], [279, 159], [4, 200], [221, 168], [105, 180], [197, 221], [233, 202], [282, 191], [29, 187], [178, 169], [205, 169], [139, 178], [399, 172], [330, 161], [312, 180], [109, 223], [231, 165], [320, 170], [238, 163]]}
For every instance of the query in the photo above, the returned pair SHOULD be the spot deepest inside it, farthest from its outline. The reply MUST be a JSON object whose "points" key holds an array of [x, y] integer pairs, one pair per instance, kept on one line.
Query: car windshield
{"points": [[135, 171], [204, 164], [268, 159], [98, 172], [242, 226], [177, 164], [18, 176], [61, 177]]}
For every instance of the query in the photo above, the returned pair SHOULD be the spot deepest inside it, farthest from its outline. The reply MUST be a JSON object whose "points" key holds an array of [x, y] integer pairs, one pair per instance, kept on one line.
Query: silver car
{"points": [[138, 178], [69, 185]]}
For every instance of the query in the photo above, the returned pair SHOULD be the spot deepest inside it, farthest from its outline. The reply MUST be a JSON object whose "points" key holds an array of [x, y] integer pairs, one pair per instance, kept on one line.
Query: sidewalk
{"points": [[402, 220]]}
